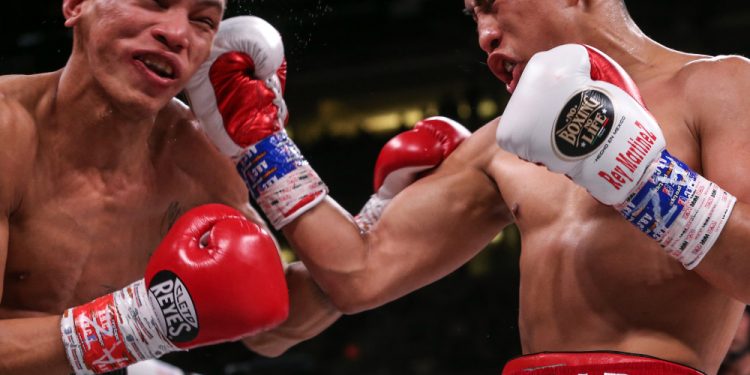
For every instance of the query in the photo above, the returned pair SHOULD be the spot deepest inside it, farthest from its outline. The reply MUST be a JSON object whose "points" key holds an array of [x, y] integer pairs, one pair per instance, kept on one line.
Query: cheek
{"points": [[200, 51]]}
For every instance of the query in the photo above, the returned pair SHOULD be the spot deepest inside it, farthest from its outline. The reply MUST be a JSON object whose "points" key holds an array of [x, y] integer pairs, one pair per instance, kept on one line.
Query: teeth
{"points": [[509, 66], [160, 67]]}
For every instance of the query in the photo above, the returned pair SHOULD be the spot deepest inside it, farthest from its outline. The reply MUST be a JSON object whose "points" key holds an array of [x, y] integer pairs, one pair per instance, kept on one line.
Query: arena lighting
{"points": [[464, 110], [382, 123], [487, 108], [412, 116], [287, 255]]}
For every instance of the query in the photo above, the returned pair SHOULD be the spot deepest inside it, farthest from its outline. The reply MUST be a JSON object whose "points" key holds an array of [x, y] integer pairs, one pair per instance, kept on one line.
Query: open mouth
{"points": [[158, 65], [503, 68]]}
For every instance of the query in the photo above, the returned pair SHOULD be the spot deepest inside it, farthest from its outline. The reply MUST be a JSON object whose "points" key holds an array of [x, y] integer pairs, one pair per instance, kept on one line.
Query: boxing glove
{"points": [[237, 95], [404, 157], [576, 111], [215, 277]]}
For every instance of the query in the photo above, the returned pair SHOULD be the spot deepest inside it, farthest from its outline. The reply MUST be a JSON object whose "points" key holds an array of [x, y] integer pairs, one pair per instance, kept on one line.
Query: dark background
{"points": [[358, 72]]}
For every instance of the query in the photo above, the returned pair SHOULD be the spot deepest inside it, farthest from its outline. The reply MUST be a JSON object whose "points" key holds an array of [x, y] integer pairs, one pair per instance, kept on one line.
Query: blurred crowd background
{"points": [[359, 72]]}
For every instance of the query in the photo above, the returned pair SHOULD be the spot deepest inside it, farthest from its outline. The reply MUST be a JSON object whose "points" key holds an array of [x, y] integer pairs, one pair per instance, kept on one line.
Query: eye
{"points": [[161, 3], [208, 22], [205, 22]]}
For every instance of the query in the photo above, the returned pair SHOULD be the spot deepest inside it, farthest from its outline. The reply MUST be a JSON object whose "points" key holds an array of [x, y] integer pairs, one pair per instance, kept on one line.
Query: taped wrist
{"points": [[280, 179], [679, 208], [113, 331], [370, 213]]}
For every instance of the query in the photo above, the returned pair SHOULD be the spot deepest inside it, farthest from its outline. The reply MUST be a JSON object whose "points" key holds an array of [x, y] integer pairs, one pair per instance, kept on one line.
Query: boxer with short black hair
{"points": [[98, 162], [597, 295]]}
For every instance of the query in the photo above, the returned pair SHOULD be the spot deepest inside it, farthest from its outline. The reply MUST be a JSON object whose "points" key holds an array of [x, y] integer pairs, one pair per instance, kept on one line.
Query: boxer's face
{"points": [[511, 31], [142, 52]]}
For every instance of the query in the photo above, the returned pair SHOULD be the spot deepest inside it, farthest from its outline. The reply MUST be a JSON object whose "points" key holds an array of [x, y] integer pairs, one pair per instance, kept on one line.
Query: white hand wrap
{"points": [[114, 331]]}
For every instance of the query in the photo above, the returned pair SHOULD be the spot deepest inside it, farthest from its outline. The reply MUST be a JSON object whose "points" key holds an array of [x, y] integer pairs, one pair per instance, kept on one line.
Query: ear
{"points": [[72, 10]]}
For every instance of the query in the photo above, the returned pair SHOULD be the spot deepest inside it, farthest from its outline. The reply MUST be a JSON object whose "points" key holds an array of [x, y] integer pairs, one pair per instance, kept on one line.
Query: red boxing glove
{"points": [[405, 156], [237, 94], [215, 277]]}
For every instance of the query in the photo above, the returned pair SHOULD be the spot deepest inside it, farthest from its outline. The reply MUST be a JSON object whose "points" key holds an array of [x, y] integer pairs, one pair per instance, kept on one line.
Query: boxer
{"points": [[98, 163], [597, 294]]}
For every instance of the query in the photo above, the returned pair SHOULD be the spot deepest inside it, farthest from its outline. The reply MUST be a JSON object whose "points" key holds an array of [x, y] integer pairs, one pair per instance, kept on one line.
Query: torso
{"points": [[78, 233], [592, 281]]}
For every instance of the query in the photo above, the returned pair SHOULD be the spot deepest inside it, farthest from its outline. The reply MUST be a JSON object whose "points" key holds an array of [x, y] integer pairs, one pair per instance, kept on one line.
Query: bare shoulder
{"points": [[18, 140], [181, 142], [716, 91], [705, 67], [177, 120], [178, 133], [476, 152], [467, 174], [716, 88]]}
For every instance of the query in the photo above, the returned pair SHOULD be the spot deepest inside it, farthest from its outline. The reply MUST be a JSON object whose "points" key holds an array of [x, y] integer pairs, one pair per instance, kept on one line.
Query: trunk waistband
{"points": [[594, 363]]}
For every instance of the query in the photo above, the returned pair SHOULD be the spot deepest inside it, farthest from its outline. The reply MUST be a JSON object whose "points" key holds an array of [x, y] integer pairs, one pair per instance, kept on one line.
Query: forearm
{"points": [[310, 312], [726, 264], [32, 346], [334, 250], [416, 241]]}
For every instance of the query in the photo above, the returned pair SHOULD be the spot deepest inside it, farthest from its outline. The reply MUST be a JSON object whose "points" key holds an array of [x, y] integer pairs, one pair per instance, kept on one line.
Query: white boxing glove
{"points": [[259, 77], [237, 95], [577, 112]]}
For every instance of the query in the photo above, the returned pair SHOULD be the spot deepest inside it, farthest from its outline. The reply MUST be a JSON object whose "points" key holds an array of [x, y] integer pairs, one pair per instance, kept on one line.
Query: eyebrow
{"points": [[218, 4]]}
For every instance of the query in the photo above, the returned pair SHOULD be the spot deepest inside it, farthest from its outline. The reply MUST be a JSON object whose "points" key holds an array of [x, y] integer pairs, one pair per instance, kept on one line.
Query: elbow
{"points": [[268, 352], [267, 346], [353, 300]]}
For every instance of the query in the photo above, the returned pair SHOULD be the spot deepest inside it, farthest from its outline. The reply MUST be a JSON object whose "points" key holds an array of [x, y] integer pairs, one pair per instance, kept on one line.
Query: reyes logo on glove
{"points": [[176, 306], [583, 124]]}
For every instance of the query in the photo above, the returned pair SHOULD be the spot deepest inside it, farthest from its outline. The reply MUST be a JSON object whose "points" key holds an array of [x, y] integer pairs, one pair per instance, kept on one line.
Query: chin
{"points": [[138, 100]]}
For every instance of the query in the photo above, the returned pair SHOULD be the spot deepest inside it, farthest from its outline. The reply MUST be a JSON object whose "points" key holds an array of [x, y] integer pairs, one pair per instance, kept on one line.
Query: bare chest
{"points": [[79, 235], [591, 280]]}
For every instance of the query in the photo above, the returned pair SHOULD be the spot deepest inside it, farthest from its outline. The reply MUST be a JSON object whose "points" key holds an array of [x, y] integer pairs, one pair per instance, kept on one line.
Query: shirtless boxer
{"points": [[590, 281], [98, 161]]}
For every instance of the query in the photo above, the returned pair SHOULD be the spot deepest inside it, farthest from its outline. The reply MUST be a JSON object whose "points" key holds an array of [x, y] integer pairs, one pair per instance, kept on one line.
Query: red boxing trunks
{"points": [[593, 363]]}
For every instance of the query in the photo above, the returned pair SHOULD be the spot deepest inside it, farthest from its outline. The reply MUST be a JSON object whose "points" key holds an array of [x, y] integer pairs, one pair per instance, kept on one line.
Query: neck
{"points": [[92, 129], [624, 42]]}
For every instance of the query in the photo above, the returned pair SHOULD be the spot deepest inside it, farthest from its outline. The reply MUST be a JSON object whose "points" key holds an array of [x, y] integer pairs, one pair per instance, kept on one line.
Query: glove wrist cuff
{"points": [[280, 179], [679, 208]]}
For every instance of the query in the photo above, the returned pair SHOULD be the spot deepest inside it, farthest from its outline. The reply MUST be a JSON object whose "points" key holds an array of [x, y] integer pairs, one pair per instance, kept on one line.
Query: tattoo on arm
{"points": [[173, 212]]}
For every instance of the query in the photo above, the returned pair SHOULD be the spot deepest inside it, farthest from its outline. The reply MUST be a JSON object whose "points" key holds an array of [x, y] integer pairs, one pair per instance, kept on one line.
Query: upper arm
{"points": [[16, 149], [310, 312], [719, 90], [442, 220], [427, 231]]}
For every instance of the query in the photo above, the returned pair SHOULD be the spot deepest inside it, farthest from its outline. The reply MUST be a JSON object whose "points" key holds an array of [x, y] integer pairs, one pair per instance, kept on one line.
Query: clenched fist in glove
{"points": [[237, 95], [577, 112], [215, 277], [404, 157]]}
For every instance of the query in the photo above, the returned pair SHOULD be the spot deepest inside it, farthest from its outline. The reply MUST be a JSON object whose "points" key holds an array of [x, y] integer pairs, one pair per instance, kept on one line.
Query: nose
{"points": [[173, 30], [490, 35]]}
